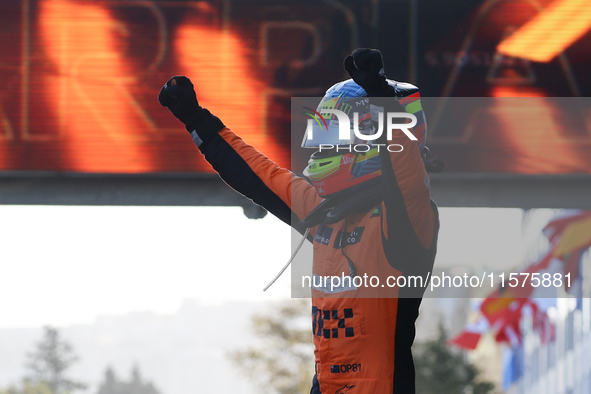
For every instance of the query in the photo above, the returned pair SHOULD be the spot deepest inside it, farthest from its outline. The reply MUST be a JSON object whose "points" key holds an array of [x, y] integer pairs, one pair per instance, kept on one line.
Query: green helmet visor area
{"points": [[320, 167]]}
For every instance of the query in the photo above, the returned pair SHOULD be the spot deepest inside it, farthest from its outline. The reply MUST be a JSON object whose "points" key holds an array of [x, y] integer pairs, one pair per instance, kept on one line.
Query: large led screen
{"points": [[79, 79]]}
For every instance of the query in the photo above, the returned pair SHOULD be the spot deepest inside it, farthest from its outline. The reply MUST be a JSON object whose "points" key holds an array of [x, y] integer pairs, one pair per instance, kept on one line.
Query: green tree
{"points": [[50, 360], [442, 370], [28, 388], [283, 361], [110, 384], [136, 385]]}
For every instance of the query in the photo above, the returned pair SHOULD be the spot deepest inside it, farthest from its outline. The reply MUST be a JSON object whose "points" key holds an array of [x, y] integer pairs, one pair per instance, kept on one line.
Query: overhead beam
{"points": [[449, 190], [512, 191], [46, 188]]}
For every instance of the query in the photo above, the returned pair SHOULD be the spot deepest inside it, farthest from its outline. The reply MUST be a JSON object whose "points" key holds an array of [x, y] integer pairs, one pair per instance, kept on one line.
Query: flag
{"points": [[466, 340], [571, 237], [556, 227], [576, 236], [513, 366], [470, 336], [502, 310], [507, 326]]}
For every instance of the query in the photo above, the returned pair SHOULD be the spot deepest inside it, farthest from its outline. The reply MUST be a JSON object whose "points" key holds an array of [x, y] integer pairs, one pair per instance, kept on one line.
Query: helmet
{"points": [[343, 169], [334, 173]]}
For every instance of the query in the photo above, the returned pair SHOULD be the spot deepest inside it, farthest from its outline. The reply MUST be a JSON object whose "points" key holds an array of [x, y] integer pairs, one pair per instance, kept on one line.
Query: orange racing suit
{"points": [[362, 335]]}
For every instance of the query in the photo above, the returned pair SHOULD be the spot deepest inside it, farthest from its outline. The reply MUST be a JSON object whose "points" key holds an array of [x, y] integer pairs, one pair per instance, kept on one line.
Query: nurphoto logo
{"points": [[364, 131]]}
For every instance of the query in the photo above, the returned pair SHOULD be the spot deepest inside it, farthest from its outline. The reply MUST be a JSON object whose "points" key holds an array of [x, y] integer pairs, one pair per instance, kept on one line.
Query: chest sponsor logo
{"points": [[344, 368], [343, 239], [323, 234]]}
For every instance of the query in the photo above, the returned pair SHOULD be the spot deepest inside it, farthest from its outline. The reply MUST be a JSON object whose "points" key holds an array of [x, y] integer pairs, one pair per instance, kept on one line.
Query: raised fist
{"points": [[179, 97], [366, 67]]}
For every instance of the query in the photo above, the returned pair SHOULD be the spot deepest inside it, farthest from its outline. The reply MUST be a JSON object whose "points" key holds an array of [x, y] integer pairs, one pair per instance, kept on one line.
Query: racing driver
{"points": [[368, 212]]}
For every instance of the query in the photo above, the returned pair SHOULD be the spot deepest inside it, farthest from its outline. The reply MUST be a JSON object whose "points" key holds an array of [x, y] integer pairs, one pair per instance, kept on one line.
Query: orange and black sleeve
{"points": [[252, 174], [411, 220], [410, 227]]}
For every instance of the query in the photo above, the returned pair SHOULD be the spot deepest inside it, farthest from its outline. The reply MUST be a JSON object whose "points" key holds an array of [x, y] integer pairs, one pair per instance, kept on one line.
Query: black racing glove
{"points": [[178, 95], [366, 67]]}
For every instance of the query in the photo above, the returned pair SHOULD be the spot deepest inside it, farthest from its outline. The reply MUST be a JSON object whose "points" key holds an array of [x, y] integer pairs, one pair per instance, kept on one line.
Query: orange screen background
{"points": [[79, 80]]}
